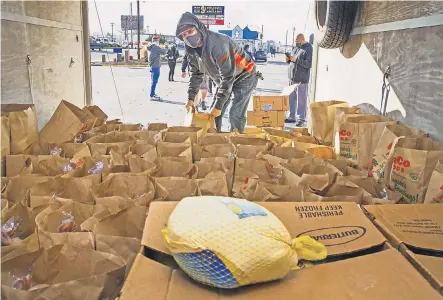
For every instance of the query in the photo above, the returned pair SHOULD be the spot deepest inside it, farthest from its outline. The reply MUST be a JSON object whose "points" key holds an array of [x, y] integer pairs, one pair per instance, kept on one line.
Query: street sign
{"points": [[130, 22], [210, 15]]}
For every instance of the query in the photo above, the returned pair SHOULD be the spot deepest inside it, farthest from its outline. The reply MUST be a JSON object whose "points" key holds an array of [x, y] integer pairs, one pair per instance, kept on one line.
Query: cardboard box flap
{"points": [[383, 275], [431, 267], [415, 225], [342, 227]]}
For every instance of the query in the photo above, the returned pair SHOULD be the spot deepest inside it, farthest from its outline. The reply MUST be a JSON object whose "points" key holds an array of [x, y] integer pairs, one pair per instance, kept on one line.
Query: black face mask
{"points": [[193, 41]]}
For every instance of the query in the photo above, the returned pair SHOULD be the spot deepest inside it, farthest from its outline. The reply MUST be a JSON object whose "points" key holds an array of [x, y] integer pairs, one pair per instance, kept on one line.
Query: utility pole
{"points": [[262, 36], [293, 36], [138, 29], [132, 42], [112, 30]]}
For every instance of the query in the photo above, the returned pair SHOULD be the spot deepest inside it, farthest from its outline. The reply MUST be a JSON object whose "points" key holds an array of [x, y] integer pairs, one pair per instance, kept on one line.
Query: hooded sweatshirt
{"points": [[220, 57], [154, 57]]}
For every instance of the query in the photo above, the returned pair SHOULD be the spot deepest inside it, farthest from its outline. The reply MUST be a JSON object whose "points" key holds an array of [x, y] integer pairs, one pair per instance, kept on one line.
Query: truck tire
{"points": [[334, 22]]}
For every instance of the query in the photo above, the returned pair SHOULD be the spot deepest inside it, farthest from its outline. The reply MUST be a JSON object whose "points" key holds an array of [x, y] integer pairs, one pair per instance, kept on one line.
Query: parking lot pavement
{"points": [[133, 85]]}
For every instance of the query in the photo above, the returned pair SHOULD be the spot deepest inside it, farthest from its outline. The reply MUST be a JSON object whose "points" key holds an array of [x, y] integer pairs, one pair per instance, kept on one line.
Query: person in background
{"points": [[154, 64], [203, 90], [300, 63], [246, 48], [172, 61], [226, 64]]}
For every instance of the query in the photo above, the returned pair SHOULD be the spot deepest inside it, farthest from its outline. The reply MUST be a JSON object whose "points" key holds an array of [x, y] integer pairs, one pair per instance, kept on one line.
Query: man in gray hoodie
{"points": [[154, 63], [226, 64]]}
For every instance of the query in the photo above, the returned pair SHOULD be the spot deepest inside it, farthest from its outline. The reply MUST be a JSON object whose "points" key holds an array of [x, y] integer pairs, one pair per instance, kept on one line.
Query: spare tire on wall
{"points": [[334, 22]]}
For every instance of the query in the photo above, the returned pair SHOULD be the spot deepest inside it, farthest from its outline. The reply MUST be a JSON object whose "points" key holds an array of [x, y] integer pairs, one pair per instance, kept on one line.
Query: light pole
{"points": [[112, 31], [286, 43], [138, 29], [293, 36]]}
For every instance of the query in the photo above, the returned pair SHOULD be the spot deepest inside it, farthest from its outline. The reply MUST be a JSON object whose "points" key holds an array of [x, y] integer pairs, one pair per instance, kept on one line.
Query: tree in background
{"points": [[162, 40], [149, 39]]}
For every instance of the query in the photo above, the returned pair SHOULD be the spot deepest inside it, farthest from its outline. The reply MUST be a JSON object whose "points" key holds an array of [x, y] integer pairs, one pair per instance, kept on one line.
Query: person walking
{"points": [[246, 48], [300, 63], [172, 61], [154, 64], [225, 62], [203, 90]]}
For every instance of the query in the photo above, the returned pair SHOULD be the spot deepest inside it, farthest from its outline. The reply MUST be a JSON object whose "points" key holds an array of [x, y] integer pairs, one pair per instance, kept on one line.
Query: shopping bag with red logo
{"points": [[322, 119], [66, 123], [359, 136], [381, 162], [413, 163], [434, 193], [341, 113]]}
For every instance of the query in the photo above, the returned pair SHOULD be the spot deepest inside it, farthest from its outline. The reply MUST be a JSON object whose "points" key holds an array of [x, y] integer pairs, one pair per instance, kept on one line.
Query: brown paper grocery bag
{"points": [[227, 166], [98, 149], [63, 271], [381, 162], [322, 119], [434, 193], [128, 222], [203, 121], [75, 151], [157, 126], [66, 123], [137, 189], [194, 133], [17, 164], [299, 131], [414, 160], [112, 137], [124, 247], [17, 224], [335, 193], [176, 150], [90, 167], [321, 151], [98, 113], [221, 150], [213, 186], [175, 188], [131, 127], [19, 247], [341, 113], [210, 142], [18, 187], [60, 223], [149, 137], [244, 183], [5, 144], [214, 139], [55, 165], [77, 189], [359, 136], [277, 193], [170, 168], [23, 126], [145, 151]]}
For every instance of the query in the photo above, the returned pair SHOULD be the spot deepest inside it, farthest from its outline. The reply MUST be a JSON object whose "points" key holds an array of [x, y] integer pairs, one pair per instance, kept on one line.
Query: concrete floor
{"points": [[133, 86]]}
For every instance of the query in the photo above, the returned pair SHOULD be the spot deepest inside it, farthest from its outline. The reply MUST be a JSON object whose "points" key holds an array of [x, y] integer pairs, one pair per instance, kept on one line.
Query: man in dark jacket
{"points": [[246, 48], [300, 63], [225, 63], [172, 61]]}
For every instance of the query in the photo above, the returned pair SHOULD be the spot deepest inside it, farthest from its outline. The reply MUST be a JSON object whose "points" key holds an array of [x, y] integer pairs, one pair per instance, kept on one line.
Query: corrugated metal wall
{"points": [[51, 33]]}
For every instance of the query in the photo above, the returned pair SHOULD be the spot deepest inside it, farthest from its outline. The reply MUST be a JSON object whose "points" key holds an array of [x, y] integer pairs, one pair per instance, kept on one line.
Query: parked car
{"points": [[96, 45], [260, 56]]}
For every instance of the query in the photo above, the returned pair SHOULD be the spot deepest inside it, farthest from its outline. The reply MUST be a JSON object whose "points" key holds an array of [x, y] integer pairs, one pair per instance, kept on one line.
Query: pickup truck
{"points": [[94, 45]]}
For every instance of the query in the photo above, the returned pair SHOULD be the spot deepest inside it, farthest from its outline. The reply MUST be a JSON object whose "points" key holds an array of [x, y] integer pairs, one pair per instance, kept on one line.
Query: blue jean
{"points": [[155, 75], [298, 103]]}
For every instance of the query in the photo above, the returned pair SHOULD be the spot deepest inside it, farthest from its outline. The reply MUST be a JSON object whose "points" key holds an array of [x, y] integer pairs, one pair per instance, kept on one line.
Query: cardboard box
{"points": [[266, 118], [416, 230], [341, 226], [271, 103], [274, 102]]}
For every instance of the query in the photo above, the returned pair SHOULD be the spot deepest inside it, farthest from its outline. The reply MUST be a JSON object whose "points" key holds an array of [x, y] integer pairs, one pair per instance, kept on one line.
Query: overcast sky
{"points": [[162, 16]]}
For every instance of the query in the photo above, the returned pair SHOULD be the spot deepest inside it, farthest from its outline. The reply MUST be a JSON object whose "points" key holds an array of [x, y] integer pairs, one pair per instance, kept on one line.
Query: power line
{"points": [[112, 72], [307, 16]]}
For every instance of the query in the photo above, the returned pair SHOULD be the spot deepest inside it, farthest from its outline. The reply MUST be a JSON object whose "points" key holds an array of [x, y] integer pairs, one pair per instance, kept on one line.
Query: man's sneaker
{"points": [[300, 123], [210, 94], [204, 105], [289, 121], [156, 97]]}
